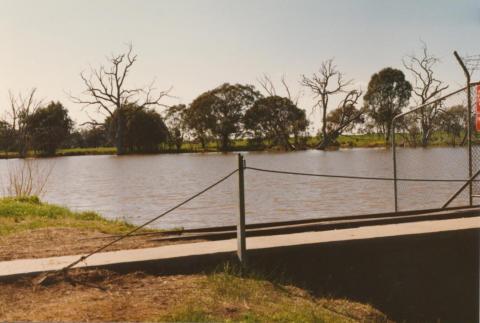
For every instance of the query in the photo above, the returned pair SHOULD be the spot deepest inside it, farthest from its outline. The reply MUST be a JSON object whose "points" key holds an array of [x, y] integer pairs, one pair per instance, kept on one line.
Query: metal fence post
{"points": [[394, 155], [241, 238], [469, 124]]}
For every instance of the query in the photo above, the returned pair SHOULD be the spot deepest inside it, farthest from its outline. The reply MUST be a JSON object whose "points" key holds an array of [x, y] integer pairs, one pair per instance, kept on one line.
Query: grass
{"points": [[229, 296], [361, 141], [21, 214], [87, 151]]}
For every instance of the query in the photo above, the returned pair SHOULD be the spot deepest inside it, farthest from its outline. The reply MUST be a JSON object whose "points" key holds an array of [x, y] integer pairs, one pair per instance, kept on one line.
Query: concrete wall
{"points": [[414, 278], [420, 278]]}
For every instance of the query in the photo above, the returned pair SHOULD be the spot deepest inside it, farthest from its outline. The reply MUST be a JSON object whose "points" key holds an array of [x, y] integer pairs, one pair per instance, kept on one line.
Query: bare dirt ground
{"points": [[50, 242]]}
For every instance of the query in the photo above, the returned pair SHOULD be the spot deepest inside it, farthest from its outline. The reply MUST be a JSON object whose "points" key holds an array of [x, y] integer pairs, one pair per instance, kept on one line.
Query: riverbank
{"points": [[344, 141], [32, 229]]}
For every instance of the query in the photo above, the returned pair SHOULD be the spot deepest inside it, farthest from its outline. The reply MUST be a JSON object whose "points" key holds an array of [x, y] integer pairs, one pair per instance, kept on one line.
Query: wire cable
{"points": [[355, 177], [82, 258]]}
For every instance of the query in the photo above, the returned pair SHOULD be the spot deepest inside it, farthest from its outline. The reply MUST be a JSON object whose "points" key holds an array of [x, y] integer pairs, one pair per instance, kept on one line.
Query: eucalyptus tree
{"points": [[387, 95], [22, 106], [426, 87], [452, 121], [107, 90], [144, 129], [175, 121], [219, 113], [48, 127], [275, 119], [343, 119], [330, 84]]}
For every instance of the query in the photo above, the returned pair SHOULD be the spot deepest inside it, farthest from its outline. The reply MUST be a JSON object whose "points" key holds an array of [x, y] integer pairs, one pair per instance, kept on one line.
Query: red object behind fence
{"points": [[477, 115]]}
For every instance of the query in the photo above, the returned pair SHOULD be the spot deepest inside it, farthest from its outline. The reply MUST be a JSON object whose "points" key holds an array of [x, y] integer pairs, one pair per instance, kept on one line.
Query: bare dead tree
{"points": [[324, 84], [21, 108], [266, 83], [426, 87], [107, 91]]}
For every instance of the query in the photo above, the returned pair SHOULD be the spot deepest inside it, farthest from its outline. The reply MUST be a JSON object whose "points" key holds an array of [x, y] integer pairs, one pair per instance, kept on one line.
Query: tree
{"points": [[409, 128], [199, 119], [144, 129], [270, 89], [5, 136], [453, 121], [300, 125], [48, 127], [95, 136], [275, 118], [107, 90], [21, 108], [74, 140], [324, 84], [175, 121], [220, 112], [388, 93], [343, 119], [426, 87]]}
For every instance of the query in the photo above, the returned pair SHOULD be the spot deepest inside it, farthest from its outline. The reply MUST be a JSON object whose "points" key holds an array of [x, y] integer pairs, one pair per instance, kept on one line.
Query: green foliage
{"points": [[7, 136], [48, 127], [91, 137], [275, 119], [175, 120], [95, 137], [219, 113], [453, 121], [388, 93], [143, 129], [342, 119]]}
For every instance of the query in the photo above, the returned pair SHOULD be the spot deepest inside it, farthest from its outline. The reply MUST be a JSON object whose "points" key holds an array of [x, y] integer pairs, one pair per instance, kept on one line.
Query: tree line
{"points": [[262, 117]]}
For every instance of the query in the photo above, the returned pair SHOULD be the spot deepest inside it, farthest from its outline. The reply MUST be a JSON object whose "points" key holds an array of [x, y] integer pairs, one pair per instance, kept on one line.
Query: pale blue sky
{"points": [[195, 45]]}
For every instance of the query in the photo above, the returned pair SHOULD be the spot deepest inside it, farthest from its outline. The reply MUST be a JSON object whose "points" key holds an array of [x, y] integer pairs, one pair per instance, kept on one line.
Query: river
{"points": [[137, 188]]}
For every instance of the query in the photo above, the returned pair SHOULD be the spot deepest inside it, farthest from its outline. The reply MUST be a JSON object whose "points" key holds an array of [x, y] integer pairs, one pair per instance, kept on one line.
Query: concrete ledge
{"points": [[226, 248]]}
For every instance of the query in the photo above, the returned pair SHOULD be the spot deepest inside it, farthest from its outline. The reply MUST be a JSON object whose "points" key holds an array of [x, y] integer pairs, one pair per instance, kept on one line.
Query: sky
{"points": [[196, 45]]}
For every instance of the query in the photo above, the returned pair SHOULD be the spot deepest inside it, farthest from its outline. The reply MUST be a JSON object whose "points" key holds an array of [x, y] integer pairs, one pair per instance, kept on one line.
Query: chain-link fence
{"points": [[440, 129]]}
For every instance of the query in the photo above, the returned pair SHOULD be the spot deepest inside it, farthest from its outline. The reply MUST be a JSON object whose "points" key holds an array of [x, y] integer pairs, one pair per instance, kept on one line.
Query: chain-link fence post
{"points": [[469, 124]]}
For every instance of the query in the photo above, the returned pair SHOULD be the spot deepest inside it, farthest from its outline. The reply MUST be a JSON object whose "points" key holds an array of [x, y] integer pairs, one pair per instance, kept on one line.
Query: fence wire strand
{"points": [[126, 235], [357, 177], [444, 120]]}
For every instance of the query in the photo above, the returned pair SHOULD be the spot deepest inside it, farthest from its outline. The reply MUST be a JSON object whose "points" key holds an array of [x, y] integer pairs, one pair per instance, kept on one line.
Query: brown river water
{"points": [[137, 188]]}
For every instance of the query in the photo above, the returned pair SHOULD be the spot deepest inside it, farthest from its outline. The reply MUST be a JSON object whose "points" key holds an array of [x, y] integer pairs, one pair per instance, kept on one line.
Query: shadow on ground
{"points": [[417, 278]]}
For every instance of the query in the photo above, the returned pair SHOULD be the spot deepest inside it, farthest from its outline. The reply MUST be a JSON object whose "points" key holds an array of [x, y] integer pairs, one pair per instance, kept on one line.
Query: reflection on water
{"points": [[137, 188]]}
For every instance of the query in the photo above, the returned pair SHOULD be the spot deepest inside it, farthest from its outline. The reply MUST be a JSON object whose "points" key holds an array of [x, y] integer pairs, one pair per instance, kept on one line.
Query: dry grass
{"points": [[100, 295], [50, 242]]}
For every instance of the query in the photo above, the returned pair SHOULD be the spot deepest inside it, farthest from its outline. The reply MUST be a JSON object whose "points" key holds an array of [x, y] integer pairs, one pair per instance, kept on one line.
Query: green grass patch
{"points": [[20, 214], [87, 151], [231, 296]]}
